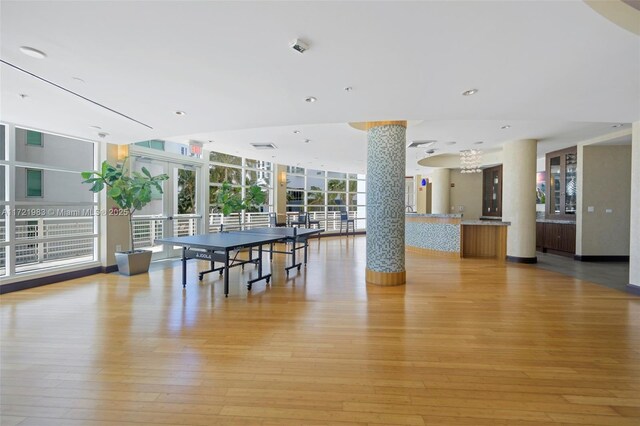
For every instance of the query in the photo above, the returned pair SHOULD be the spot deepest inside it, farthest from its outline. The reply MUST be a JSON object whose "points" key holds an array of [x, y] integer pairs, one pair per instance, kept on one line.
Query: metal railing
{"points": [[45, 240], [146, 229]]}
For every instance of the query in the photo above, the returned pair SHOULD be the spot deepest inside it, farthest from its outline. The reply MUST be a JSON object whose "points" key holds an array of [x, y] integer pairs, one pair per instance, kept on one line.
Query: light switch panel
{"points": [[590, 209], [608, 210]]}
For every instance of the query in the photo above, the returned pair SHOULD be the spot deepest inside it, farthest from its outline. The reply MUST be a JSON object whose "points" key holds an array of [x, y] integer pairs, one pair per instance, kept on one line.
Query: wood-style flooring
{"points": [[464, 342]]}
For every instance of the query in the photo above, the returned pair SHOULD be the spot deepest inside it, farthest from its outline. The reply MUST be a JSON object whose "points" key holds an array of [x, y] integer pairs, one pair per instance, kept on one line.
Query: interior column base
{"points": [[385, 278]]}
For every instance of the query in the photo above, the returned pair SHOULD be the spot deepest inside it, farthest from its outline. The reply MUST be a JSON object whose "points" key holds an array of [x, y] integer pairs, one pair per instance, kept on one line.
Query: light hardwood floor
{"points": [[471, 342]]}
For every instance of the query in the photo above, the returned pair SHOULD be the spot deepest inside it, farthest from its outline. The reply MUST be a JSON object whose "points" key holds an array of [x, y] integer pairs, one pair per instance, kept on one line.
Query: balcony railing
{"points": [[146, 229], [39, 242]]}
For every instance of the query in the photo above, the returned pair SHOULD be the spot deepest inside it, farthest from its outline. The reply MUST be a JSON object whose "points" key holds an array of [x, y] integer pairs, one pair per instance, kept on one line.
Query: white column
{"points": [[518, 200], [440, 191], [634, 231]]}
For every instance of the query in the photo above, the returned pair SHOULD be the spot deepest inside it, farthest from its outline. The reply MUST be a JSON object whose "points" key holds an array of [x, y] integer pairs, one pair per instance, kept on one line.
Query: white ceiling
{"points": [[555, 71]]}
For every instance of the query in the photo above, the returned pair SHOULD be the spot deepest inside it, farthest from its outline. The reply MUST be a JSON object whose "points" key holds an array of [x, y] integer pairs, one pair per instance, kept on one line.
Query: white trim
{"points": [[46, 272]]}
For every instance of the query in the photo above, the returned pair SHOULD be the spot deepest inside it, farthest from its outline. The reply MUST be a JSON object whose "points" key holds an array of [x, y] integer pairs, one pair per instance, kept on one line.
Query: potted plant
{"points": [[229, 201], [131, 192]]}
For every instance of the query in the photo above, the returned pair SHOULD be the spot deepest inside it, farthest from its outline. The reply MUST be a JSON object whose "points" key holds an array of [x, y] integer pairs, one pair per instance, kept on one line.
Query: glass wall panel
{"points": [[253, 177], [336, 200], [55, 186], [315, 198], [315, 180], [336, 175], [3, 152], [336, 185], [257, 164], [186, 191], [219, 157], [55, 151], [295, 170], [3, 178], [213, 194], [219, 174]]}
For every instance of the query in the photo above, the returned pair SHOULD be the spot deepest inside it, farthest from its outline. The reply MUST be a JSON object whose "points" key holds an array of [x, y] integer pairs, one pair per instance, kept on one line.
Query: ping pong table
{"points": [[219, 247]]}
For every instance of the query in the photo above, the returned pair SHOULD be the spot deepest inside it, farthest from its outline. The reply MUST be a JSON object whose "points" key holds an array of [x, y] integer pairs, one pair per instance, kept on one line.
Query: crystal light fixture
{"points": [[470, 160]]}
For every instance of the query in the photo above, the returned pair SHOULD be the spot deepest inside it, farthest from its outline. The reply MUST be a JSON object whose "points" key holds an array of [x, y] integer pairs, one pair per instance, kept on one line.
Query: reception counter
{"points": [[449, 235]]}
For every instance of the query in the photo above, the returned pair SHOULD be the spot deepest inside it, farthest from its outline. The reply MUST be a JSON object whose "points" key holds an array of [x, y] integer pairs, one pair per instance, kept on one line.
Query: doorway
{"points": [[174, 212]]}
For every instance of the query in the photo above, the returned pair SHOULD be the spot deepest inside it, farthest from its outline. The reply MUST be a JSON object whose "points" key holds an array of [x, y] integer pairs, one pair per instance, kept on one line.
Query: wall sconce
{"points": [[123, 152], [282, 178]]}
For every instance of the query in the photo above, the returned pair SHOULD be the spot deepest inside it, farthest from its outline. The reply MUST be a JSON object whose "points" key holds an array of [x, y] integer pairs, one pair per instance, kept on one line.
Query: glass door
{"points": [[570, 184], [562, 180], [174, 212], [555, 185]]}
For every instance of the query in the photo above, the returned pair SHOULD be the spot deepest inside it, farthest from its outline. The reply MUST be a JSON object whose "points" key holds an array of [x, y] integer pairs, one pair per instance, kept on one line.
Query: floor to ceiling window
{"points": [[324, 195], [48, 218], [241, 173]]}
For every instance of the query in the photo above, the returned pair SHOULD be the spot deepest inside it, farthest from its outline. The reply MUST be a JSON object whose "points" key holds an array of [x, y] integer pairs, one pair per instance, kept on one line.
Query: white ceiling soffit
{"points": [[558, 66]]}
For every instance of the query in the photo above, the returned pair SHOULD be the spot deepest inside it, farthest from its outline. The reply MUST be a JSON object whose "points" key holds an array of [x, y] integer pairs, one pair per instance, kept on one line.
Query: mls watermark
{"points": [[62, 212]]}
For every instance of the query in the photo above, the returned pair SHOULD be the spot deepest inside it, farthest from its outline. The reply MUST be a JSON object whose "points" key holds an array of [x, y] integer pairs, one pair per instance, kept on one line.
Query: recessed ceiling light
{"points": [[307, 140], [23, 95], [96, 127], [505, 127], [78, 79], [348, 89], [311, 99], [478, 143], [296, 132], [181, 113], [34, 53], [103, 134], [618, 125], [469, 92], [450, 143]]}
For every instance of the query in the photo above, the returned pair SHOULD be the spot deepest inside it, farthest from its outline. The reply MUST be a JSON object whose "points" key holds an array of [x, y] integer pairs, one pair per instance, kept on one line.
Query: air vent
{"points": [[263, 146], [421, 144]]}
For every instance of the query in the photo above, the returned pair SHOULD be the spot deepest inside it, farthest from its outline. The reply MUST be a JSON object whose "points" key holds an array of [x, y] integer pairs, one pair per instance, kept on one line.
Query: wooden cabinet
{"points": [[558, 238], [562, 179], [492, 191]]}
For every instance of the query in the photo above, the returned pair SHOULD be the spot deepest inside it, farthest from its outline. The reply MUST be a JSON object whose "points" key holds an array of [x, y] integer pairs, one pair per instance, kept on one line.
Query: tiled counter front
{"points": [[437, 234], [449, 235]]}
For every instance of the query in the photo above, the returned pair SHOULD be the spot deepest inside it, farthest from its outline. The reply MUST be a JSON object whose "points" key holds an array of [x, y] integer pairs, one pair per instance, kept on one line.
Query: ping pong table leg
{"points": [[226, 273], [260, 277], [306, 244], [184, 267]]}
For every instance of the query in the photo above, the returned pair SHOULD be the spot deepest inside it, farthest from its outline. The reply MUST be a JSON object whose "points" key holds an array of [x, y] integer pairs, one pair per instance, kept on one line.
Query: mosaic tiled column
{"points": [[386, 158]]}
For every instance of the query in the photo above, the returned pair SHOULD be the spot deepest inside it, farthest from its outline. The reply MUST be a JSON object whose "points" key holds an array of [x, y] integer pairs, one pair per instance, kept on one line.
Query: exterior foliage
{"points": [[229, 201]]}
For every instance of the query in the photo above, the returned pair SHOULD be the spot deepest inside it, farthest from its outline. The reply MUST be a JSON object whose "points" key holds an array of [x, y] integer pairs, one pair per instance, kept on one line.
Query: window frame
{"points": [[26, 181]]}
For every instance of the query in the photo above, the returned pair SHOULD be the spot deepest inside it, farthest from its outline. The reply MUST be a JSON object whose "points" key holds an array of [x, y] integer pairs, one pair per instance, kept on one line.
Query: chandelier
{"points": [[470, 160]]}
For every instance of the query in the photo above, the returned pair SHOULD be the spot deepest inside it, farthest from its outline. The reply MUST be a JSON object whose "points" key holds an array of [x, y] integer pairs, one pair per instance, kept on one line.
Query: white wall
{"points": [[606, 185], [466, 196], [634, 246]]}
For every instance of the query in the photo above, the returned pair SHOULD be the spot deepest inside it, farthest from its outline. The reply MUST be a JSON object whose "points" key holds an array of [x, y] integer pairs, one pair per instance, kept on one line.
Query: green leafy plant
{"points": [[130, 191], [230, 201]]}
